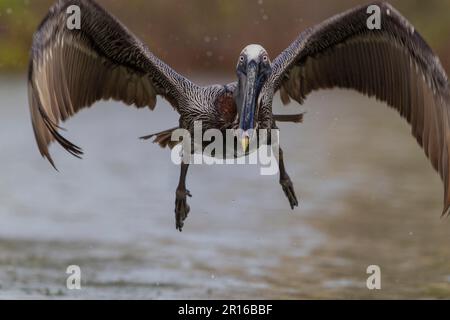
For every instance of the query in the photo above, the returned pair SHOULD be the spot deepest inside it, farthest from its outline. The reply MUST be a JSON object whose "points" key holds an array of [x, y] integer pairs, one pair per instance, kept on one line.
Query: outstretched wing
{"points": [[71, 69], [393, 64]]}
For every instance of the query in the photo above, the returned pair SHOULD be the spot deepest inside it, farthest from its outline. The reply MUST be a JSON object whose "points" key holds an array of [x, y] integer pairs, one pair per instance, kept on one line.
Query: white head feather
{"points": [[253, 51]]}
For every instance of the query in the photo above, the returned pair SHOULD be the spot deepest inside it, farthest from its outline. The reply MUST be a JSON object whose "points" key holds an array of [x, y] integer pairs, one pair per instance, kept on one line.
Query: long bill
{"points": [[248, 111]]}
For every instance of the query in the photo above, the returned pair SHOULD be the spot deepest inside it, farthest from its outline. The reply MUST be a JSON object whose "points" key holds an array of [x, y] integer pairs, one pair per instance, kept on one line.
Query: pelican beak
{"points": [[249, 101], [245, 142]]}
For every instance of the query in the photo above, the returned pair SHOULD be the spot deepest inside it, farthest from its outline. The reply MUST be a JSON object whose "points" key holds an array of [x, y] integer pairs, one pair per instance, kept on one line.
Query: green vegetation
{"points": [[207, 35]]}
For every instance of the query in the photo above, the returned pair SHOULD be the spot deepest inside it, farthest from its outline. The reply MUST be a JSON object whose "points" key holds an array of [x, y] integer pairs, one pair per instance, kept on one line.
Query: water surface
{"points": [[368, 197]]}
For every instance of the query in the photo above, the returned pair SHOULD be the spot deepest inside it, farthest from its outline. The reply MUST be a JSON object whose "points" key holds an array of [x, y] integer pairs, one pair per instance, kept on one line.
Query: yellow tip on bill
{"points": [[245, 143]]}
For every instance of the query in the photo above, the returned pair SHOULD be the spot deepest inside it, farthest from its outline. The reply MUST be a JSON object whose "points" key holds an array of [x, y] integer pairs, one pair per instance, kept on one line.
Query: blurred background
{"points": [[206, 36], [368, 194]]}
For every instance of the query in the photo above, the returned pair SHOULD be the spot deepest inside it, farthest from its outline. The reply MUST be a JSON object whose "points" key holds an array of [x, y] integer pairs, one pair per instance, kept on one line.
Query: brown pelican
{"points": [[72, 69]]}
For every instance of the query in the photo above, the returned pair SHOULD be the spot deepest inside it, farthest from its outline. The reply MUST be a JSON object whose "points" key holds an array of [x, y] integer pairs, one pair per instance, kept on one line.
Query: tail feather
{"points": [[295, 118], [163, 138]]}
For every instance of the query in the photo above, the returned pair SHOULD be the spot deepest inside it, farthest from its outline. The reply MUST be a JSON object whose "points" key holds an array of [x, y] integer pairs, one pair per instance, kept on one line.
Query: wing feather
{"points": [[72, 69], [393, 64]]}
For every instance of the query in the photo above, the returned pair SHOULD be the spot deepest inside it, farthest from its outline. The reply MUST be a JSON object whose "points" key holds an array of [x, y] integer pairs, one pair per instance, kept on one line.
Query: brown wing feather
{"points": [[393, 64], [72, 69]]}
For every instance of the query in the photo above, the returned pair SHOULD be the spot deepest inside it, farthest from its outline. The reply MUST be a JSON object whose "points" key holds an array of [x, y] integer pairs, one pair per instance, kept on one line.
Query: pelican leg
{"points": [[181, 207], [286, 182]]}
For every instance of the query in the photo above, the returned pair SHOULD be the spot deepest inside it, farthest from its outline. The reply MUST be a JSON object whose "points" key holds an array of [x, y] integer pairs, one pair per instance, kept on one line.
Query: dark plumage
{"points": [[72, 69]]}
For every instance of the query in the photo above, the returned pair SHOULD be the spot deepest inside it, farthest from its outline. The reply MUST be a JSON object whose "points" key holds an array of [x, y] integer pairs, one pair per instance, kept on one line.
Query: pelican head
{"points": [[253, 70]]}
